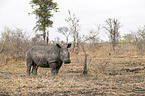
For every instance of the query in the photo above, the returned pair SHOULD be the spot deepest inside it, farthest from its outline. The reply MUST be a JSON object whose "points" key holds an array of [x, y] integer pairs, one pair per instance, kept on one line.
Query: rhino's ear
{"points": [[58, 45], [69, 45]]}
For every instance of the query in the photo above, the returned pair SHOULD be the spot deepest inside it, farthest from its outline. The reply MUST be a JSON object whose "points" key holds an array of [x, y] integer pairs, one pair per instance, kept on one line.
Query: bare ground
{"points": [[103, 78]]}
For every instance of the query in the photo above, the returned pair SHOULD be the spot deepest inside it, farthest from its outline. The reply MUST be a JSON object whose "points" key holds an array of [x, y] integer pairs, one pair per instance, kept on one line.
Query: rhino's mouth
{"points": [[67, 61]]}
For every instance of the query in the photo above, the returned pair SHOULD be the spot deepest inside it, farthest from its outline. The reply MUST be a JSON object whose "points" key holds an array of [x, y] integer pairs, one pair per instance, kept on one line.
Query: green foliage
{"points": [[43, 11], [141, 32], [136, 38], [139, 39], [127, 38]]}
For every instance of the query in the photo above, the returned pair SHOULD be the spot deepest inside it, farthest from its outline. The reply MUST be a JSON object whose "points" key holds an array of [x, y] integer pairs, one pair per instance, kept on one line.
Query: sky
{"points": [[131, 13]]}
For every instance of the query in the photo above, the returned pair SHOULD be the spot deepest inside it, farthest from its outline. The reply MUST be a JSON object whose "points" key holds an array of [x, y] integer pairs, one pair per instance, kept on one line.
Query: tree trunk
{"points": [[67, 40], [44, 36], [85, 61], [74, 44], [47, 37]]}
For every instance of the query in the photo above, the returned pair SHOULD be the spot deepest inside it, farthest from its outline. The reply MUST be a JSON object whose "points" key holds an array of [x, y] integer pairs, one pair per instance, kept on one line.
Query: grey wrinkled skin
{"points": [[47, 57]]}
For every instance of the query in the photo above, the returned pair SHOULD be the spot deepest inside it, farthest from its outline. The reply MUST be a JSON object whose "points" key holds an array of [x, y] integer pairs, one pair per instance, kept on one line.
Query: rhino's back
{"points": [[42, 55], [39, 54]]}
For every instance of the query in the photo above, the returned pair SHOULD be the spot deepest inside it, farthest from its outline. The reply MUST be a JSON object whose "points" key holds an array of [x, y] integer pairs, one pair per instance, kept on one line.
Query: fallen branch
{"points": [[133, 69], [117, 72]]}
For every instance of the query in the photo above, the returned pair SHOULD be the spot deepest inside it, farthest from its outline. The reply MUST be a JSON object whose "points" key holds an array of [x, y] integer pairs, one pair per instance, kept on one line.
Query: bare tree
{"points": [[74, 29], [64, 31], [113, 26], [92, 36]]}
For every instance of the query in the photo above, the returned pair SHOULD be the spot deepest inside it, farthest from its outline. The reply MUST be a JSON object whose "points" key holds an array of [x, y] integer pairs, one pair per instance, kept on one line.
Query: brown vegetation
{"points": [[102, 77]]}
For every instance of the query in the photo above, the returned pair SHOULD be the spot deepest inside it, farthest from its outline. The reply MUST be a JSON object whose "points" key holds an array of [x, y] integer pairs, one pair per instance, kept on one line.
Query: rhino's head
{"points": [[64, 53]]}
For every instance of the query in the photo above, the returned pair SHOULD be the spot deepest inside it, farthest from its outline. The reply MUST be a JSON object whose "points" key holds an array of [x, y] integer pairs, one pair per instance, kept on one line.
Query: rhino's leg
{"points": [[34, 70], [53, 72], [54, 69], [28, 70], [57, 68], [29, 64]]}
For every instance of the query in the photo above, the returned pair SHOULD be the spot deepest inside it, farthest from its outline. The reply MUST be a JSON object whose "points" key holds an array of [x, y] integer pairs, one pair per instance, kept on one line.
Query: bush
{"points": [[14, 43]]}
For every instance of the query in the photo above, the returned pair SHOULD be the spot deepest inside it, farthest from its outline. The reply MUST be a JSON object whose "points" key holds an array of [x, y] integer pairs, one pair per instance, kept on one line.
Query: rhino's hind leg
{"points": [[28, 69], [29, 64]]}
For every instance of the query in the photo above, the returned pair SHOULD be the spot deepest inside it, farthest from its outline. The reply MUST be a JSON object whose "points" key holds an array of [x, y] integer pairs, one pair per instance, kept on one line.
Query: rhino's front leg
{"points": [[53, 72], [54, 69]]}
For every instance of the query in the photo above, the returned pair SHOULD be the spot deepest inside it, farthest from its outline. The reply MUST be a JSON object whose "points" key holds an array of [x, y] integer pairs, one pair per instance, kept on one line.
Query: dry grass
{"points": [[102, 77]]}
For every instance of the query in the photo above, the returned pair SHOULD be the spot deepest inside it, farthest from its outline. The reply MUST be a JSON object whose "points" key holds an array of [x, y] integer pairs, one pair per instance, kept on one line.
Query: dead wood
{"points": [[85, 61], [133, 69], [119, 72]]}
